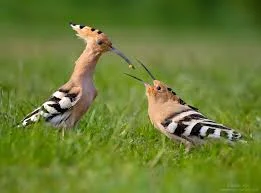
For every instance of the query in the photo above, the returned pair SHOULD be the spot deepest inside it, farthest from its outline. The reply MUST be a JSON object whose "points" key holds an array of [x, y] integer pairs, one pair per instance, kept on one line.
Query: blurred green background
{"points": [[218, 14], [207, 51]]}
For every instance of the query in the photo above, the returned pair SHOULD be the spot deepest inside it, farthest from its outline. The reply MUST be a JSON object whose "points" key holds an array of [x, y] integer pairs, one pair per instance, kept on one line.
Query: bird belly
{"points": [[80, 109], [61, 120]]}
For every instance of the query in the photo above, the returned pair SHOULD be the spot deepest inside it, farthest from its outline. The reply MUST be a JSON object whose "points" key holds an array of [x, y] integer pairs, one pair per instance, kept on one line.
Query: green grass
{"points": [[114, 148]]}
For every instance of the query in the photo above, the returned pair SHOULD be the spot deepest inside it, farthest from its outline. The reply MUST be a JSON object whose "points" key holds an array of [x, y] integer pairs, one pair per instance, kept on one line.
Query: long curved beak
{"points": [[140, 80], [147, 70], [119, 53]]}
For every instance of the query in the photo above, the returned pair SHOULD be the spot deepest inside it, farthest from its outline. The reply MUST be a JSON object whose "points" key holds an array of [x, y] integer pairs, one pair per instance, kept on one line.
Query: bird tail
{"points": [[31, 118], [228, 133]]}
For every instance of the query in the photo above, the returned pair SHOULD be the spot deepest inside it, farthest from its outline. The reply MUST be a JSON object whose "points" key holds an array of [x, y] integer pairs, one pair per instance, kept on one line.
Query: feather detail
{"points": [[31, 118], [192, 123], [56, 110]]}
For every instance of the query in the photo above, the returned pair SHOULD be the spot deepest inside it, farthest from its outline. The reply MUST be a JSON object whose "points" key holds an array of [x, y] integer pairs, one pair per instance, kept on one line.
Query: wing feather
{"points": [[57, 108], [191, 123]]}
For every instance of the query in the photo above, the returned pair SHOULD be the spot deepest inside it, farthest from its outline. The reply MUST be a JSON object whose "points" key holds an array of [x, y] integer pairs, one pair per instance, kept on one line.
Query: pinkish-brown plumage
{"points": [[70, 102], [180, 121]]}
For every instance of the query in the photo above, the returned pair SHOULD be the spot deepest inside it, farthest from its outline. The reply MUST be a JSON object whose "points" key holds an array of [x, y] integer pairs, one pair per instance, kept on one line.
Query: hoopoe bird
{"points": [[178, 120], [70, 102]]}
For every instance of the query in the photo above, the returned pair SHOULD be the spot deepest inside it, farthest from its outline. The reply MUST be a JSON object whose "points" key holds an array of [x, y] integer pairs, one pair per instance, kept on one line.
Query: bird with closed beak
{"points": [[178, 120], [69, 103]]}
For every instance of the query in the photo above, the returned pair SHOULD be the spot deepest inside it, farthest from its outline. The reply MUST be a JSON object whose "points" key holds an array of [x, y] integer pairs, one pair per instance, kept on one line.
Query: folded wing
{"points": [[191, 123], [57, 109]]}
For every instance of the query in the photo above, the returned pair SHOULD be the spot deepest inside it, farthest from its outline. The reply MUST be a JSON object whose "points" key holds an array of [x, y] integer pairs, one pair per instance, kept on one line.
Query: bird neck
{"points": [[85, 64], [159, 111]]}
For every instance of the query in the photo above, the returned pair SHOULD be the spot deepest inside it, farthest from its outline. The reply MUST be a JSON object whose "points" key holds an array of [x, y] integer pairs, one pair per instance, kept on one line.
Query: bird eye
{"points": [[99, 42], [158, 88]]}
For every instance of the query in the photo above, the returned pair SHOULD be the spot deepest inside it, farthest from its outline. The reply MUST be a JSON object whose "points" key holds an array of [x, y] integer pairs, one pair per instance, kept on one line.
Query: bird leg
{"points": [[185, 140], [61, 132]]}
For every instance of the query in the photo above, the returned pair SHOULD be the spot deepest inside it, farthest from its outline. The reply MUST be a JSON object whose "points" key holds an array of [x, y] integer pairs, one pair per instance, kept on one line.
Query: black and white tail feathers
{"points": [[191, 123], [56, 110], [31, 118]]}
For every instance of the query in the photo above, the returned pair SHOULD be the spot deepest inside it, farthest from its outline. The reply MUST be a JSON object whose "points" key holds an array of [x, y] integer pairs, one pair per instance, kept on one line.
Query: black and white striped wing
{"points": [[191, 123], [56, 110]]}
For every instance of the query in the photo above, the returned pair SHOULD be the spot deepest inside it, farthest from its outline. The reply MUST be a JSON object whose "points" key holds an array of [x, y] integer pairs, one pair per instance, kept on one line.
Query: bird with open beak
{"points": [[70, 102], [178, 120]]}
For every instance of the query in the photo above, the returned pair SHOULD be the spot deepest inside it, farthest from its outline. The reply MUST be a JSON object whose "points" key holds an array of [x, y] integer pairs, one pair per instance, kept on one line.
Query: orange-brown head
{"points": [[97, 40], [158, 92], [162, 100]]}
